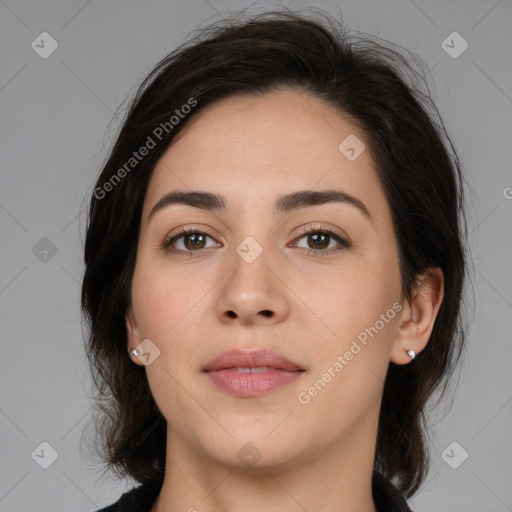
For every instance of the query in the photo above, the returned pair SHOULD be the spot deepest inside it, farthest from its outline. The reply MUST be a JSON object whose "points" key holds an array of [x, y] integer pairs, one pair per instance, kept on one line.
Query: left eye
{"points": [[321, 240]]}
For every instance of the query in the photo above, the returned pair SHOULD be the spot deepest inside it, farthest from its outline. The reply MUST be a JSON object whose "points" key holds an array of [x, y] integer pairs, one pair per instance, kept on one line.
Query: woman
{"points": [[277, 241]]}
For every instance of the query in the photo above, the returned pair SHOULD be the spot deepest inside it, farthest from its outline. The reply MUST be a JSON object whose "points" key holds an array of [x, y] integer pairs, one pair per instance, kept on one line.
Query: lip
{"points": [[254, 359], [222, 372]]}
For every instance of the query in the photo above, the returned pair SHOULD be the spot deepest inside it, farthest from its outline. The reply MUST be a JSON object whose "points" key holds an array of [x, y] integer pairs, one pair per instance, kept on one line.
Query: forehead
{"points": [[252, 149]]}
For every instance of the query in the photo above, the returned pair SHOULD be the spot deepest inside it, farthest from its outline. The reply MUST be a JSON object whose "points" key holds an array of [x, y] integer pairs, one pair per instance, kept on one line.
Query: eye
{"points": [[192, 241], [188, 240], [323, 241]]}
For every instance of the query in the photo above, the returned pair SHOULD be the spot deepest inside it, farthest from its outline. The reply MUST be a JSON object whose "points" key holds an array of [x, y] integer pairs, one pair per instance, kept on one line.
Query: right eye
{"points": [[192, 241]]}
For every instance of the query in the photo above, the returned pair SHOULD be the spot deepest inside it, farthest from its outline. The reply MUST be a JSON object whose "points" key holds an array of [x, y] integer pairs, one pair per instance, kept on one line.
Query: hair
{"points": [[372, 86]]}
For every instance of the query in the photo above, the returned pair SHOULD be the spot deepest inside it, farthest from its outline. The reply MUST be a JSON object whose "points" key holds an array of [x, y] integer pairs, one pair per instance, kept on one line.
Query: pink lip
{"points": [[256, 358], [221, 370]]}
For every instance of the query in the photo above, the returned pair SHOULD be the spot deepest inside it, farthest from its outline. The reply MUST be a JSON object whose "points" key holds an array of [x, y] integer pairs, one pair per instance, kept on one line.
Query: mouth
{"points": [[260, 369], [251, 374], [257, 360]]}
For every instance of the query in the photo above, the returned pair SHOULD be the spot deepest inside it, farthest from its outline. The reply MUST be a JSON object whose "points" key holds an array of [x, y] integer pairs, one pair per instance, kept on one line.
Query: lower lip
{"points": [[252, 384]]}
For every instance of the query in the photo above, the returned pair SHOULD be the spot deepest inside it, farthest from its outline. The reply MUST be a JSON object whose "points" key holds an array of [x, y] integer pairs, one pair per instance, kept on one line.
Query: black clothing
{"points": [[385, 495]]}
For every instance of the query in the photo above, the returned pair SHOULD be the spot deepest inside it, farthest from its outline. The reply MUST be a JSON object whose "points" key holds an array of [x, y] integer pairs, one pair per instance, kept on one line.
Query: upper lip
{"points": [[254, 359]]}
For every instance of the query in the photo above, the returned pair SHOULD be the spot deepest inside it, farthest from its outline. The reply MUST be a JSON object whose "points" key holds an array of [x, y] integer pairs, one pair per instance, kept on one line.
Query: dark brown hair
{"points": [[374, 87]]}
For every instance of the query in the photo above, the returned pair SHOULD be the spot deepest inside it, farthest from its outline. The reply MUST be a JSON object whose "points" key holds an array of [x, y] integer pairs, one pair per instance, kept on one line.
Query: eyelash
{"points": [[169, 241]]}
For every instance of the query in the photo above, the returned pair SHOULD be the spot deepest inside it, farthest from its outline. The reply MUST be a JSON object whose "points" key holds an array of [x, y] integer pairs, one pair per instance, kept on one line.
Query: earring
{"points": [[133, 352], [411, 353]]}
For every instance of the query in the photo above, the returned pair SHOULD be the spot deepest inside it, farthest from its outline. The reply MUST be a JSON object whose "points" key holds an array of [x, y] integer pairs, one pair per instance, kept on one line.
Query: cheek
{"points": [[166, 308], [360, 327], [348, 374], [166, 300], [356, 296]]}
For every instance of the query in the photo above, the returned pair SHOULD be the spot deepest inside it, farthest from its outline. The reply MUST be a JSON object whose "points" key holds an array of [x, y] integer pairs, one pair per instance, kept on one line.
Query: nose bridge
{"points": [[251, 261], [253, 237], [252, 290]]}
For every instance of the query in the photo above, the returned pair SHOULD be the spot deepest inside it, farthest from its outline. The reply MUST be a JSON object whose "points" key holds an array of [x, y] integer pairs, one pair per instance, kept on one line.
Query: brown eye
{"points": [[194, 241], [188, 241], [319, 240], [323, 241]]}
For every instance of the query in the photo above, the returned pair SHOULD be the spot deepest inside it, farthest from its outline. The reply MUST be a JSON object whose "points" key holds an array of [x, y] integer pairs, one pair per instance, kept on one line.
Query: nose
{"points": [[253, 293]]}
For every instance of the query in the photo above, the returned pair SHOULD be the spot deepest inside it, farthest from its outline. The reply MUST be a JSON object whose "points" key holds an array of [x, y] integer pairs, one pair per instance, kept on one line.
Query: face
{"points": [[316, 283]]}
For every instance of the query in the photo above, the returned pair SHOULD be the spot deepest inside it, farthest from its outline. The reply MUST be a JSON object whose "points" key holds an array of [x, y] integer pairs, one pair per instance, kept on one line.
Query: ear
{"points": [[133, 334], [418, 316]]}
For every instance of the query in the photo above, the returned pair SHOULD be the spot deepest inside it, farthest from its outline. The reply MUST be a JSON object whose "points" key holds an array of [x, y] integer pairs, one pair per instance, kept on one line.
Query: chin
{"points": [[254, 452]]}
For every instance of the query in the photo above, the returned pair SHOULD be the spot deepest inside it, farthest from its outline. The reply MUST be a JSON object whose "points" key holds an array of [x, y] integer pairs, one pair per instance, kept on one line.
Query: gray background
{"points": [[57, 122]]}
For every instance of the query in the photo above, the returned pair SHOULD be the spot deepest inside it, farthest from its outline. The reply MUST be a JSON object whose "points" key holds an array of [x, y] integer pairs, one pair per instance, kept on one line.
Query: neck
{"points": [[338, 479]]}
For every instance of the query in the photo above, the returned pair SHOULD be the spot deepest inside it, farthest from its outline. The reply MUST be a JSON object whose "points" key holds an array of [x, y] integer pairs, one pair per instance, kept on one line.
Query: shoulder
{"points": [[139, 499]]}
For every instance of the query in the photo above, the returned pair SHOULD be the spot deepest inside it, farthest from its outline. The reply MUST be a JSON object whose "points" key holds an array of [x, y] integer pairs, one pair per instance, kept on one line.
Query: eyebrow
{"points": [[283, 204]]}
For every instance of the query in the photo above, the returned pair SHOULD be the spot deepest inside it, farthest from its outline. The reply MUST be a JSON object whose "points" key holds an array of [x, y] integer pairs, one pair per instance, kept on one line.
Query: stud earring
{"points": [[133, 352], [411, 353]]}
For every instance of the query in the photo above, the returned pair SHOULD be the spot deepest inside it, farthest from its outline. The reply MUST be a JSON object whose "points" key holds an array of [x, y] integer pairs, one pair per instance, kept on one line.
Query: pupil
{"points": [[193, 237], [316, 241]]}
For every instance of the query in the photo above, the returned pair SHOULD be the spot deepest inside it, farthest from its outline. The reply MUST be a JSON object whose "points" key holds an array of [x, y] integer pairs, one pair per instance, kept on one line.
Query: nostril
{"points": [[266, 312], [231, 314]]}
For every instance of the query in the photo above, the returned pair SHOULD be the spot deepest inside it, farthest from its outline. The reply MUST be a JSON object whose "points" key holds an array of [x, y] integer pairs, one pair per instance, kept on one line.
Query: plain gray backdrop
{"points": [[57, 123]]}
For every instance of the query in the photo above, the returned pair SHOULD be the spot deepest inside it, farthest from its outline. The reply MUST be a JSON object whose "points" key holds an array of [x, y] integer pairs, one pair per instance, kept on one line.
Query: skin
{"points": [[317, 456]]}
